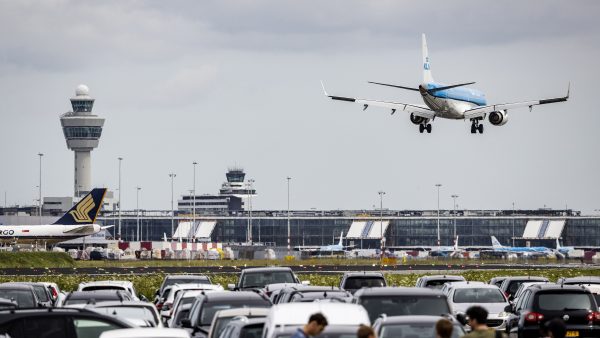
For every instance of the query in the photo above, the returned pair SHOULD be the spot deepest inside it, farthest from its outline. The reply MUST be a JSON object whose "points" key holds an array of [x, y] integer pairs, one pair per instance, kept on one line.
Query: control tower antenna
{"points": [[82, 131]]}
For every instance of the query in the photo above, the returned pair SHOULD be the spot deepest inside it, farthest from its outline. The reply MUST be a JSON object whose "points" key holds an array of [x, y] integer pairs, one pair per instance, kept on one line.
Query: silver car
{"points": [[464, 295]]}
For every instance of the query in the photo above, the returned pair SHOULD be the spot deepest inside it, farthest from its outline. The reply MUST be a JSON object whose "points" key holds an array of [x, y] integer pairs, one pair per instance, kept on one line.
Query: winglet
{"points": [[324, 91], [568, 90]]}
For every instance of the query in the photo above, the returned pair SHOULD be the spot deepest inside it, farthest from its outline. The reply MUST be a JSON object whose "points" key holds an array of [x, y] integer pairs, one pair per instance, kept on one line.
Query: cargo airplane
{"points": [[455, 102], [78, 222]]}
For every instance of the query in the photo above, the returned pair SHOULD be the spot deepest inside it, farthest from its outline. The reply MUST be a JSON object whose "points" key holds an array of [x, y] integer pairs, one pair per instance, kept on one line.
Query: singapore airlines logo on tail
{"points": [[81, 212]]}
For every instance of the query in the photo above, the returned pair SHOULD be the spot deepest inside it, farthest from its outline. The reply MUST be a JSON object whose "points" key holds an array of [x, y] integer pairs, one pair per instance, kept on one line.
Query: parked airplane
{"points": [[334, 247], [565, 250], [525, 250], [447, 251], [448, 101], [77, 222]]}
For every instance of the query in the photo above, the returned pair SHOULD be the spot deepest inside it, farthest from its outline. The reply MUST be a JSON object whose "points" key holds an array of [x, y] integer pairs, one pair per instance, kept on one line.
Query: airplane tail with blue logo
{"points": [[427, 77], [496, 244], [86, 210], [341, 238]]}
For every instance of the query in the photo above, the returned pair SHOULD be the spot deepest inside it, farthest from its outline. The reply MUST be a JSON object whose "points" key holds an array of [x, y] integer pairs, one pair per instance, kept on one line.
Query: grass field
{"points": [[35, 260]]}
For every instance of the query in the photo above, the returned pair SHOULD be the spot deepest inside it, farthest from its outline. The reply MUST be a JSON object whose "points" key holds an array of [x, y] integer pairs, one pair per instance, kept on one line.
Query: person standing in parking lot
{"points": [[365, 331], [479, 329], [443, 328], [316, 324]]}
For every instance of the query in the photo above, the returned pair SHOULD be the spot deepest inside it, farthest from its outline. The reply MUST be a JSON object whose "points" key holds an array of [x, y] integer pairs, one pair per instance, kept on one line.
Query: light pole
{"points": [[172, 176], [250, 182], [192, 228], [40, 186], [137, 207], [120, 160], [513, 225], [289, 247], [381, 193], [455, 197], [438, 185]]}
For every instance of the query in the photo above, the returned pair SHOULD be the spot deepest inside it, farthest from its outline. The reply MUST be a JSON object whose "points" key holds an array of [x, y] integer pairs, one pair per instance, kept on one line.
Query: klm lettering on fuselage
{"points": [[81, 213]]}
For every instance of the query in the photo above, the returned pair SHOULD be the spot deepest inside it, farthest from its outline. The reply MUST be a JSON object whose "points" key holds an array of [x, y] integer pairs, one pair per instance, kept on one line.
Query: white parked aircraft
{"points": [[77, 222], [448, 101]]}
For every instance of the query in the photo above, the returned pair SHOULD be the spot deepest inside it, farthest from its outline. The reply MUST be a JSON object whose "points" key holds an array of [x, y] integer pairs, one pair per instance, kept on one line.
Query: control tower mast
{"points": [[82, 132]]}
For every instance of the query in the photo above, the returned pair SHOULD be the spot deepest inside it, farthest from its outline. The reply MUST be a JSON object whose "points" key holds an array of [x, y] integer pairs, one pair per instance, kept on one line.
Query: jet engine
{"points": [[417, 119], [498, 118]]}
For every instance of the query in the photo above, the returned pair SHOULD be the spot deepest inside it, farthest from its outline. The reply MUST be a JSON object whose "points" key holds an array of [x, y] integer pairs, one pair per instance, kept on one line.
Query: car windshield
{"points": [[133, 312], [420, 330], [363, 282], [253, 331], [404, 305], [221, 322], [209, 310], [437, 284], [173, 281], [260, 279], [565, 301], [23, 298], [479, 295], [40, 292]]}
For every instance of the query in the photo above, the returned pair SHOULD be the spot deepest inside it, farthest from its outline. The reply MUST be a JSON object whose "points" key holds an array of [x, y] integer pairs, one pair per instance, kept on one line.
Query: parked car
{"points": [[309, 293], [497, 280], [109, 285], [94, 297], [56, 323], [223, 317], [272, 290], [139, 313], [177, 289], [23, 294], [56, 294], [291, 316], [242, 327], [575, 305], [41, 291], [180, 279], [522, 288], [401, 301], [181, 307], [510, 285], [464, 295], [448, 285], [353, 281], [146, 333], [7, 304], [258, 278], [579, 280], [437, 281], [207, 304], [411, 326]]}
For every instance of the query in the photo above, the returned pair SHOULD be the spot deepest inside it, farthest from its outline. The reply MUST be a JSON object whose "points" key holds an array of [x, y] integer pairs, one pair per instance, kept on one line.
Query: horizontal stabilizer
{"points": [[395, 86], [81, 230], [449, 87]]}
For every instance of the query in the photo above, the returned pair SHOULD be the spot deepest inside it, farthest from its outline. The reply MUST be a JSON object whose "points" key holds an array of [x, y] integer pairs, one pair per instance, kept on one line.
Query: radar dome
{"points": [[82, 90]]}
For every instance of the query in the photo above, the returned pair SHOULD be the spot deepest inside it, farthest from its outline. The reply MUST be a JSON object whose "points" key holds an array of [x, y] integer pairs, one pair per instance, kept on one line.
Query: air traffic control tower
{"points": [[82, 131]]}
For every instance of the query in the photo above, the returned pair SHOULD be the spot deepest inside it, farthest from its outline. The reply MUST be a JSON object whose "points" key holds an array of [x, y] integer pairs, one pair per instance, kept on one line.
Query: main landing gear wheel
{"points": [[429, 128], [480, 128], [421, 128], [476, 127]]}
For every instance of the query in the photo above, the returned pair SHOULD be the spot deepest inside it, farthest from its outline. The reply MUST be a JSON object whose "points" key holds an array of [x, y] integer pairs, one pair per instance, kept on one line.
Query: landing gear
{"points": [[476, 127], [423, 127]]}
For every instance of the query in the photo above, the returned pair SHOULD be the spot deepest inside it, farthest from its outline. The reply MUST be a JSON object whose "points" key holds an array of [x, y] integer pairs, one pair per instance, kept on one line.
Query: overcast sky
{"points": [[230, 83]]}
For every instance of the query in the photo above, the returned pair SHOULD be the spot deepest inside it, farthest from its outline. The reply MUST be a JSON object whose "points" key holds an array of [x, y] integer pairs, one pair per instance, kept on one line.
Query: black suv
{"points": [[57, 323], [543, 302], [353, 281], [393, 301], [24, 295], [258, 278]]}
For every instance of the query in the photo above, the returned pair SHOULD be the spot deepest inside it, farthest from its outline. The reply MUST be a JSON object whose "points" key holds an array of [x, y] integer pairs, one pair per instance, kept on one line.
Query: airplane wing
{"points": [[483, 110], [80, 230], [417, 110]]}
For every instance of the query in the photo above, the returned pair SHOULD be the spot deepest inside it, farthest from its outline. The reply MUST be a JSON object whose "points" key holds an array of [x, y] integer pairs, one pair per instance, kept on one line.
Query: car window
{"points": [[564, 301], [182, 314], [136, 312], [363, 282], [420, 330], [103, 287], [172, 281], [436, 283], [47, 327], [479, 295], [254, 331], [208, 310], [260, 279], [24, 298], [404, 305], [91, 328], [40, 292]]}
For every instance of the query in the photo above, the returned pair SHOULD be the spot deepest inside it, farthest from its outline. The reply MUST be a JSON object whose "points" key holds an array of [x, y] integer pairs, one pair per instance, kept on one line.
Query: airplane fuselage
{"points": [[451, 103], [47, 233]]}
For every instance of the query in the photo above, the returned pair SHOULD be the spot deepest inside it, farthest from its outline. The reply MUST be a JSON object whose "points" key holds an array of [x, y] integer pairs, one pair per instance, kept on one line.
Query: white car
{"points": [[146, 333], [464, 295], [448, 285], [295, 315], [138, 313], [186, 297], [165, 311], [109, 285], [223, 317]]}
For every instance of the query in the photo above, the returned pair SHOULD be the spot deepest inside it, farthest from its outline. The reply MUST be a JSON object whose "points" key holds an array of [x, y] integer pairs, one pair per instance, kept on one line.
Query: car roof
{"points": [[142, 332], [525, 278], [107, 282], [267, 269], [363, 274], [187, 277], [249, 321], [474, 285], [125, 303], [9, 315], [231, 295], [243, 311], [16, 286], [192, 286], [582, 280], [544, 287], [397, 291], [447, 277], [94, 294], [409, 319], [336, 313], [310, 288]]}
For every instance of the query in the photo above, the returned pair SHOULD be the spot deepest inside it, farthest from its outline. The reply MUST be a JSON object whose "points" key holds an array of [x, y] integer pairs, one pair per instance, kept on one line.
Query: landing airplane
{"points": [[496, 246], [454, 102], [77, 222]]}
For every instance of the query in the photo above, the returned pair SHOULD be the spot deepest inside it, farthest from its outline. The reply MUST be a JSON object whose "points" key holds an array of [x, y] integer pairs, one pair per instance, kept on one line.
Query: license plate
{"points": [[572, 334]]}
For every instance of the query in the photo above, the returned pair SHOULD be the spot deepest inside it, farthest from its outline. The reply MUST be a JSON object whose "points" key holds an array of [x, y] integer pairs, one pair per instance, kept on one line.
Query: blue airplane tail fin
{"points": [[86, 210], [427, 77]]}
